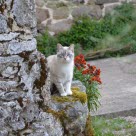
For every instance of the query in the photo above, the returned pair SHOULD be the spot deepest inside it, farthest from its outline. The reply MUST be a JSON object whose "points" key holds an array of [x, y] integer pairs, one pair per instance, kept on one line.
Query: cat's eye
{"points": [[70, 55]]}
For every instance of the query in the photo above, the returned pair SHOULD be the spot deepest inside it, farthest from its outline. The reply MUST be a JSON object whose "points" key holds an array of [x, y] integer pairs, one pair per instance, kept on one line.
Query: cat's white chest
{"points": [[66, 71]]}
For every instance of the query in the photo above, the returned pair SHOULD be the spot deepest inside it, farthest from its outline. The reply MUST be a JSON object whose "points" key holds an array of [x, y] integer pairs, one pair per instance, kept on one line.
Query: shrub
{"points": [[115, 30], [47, 44]]}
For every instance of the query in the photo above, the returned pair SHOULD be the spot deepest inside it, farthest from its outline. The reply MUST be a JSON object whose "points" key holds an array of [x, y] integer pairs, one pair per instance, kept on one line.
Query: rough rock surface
{"points": [[75, 113], [26, 105], [91, 11], [3, 24]]}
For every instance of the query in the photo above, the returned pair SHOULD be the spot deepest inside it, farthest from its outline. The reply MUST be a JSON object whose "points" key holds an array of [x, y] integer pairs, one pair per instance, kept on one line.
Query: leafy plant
{"points": [[47, 44], [90, 77]]}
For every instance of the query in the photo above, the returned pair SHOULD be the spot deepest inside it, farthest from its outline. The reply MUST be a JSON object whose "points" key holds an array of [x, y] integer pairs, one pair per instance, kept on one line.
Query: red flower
{"points": [[80, 61], [98, 72], [87, 69], [97, 79]]}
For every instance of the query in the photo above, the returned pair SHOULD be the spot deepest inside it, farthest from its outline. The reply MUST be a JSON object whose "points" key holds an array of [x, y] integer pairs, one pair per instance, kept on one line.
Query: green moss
{"points": [[57, 114], [61, 115], [77, 96], [2, 7], [43, 75], [80, 96], [88, 128], [62, 99], [30, 65], [10, 22], [25, 55]]}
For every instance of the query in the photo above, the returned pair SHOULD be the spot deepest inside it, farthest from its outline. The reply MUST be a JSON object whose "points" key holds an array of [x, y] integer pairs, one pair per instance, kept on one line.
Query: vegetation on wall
{"points": [[116, 30]]}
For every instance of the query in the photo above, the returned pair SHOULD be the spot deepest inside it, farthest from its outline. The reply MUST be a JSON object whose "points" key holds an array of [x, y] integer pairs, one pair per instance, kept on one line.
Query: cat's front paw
{"points": [[69, 92], [63, 94]]}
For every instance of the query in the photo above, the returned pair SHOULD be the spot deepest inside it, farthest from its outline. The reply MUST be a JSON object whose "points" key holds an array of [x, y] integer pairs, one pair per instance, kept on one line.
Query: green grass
{"points": [[107, 127]]}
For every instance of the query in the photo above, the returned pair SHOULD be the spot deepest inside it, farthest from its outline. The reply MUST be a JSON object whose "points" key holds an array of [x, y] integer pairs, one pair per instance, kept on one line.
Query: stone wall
{"points": [[26, 106], [57, 15]]}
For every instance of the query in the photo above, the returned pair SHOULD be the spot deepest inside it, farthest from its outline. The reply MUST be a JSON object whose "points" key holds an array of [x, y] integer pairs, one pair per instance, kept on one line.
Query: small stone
{"points": [[3, 49], [60, 26], [8, 37], [18, 47], [109, 7], [42, 14], [9, 96], [39, 3], [9, 71], [3, 24], [3, 132], [10, 59], [92, 11], [8, 84], [60, 13]]}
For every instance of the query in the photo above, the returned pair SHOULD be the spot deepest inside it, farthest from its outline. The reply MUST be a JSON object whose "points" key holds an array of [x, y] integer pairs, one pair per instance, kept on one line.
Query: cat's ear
{"points": [[71, 47], [59, 46]]}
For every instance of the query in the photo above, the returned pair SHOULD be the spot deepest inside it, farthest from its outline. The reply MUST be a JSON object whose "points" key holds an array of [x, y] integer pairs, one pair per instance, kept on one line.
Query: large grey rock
{"points": [[3, 24], [24, 12], [105, 1], [8, 37], [25, 97], [18, 47], [91, 11], [75, 113]]}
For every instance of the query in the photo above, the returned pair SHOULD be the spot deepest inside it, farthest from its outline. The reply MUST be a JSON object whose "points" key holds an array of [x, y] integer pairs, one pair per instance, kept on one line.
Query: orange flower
{"points": [[97, 79], [98, 72], [86, 71], [80, 60]]}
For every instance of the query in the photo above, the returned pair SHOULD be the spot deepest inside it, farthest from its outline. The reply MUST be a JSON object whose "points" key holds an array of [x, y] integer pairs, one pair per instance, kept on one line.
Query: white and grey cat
{"points": [[61, 68]]}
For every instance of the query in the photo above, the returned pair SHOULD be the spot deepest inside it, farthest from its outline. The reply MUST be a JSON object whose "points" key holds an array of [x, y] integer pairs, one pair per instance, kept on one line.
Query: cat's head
{"points": [[65, 54]]}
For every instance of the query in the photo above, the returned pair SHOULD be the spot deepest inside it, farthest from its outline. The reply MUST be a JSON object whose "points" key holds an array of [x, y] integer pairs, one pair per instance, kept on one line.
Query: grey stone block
{"points": [[24, 12], [3, 24], [11, 59], [8, 84], [18, 47], [8, 37], [91, 11]]}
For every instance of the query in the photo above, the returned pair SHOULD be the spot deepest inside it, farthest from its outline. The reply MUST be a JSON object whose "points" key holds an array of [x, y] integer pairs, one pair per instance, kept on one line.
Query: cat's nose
{"points": [[65, 57]]}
